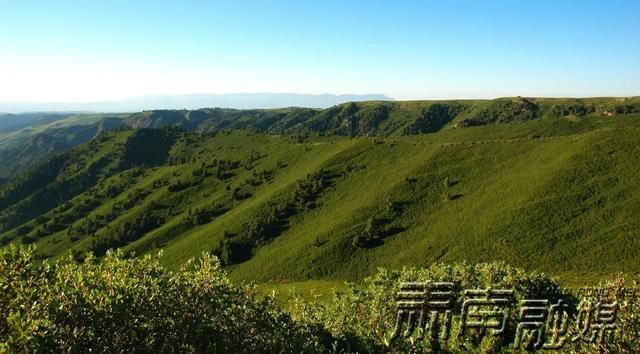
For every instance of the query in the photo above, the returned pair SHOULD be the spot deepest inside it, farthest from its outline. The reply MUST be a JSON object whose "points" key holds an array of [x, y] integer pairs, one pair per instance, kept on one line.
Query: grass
{"points": [[284, 292], [558, 195]]}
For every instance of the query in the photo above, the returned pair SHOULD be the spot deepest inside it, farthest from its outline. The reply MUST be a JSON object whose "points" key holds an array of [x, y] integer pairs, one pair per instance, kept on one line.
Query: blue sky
{"points": [[102, 50]]}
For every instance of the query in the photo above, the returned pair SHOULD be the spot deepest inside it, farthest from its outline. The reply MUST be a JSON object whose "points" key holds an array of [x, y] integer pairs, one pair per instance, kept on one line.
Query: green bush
{"points": [[628, 319], [119, 304], [362, 318], [134, 305]]}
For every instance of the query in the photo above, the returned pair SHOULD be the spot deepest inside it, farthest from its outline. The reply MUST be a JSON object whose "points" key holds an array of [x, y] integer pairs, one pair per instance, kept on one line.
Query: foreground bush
{"points": [[362, 318], [134, 305]]}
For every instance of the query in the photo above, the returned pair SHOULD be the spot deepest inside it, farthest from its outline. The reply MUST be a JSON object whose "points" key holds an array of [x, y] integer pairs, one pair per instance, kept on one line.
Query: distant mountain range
{"points": [[233, 100]]}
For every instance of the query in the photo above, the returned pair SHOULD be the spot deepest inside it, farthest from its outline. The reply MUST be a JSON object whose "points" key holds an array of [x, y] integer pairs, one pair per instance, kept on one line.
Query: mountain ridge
{"points": [[537, 191], [374, 118]]}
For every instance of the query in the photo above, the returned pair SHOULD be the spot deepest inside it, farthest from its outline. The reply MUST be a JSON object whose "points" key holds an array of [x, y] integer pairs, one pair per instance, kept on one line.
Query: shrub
{"points": [[628, 316], [135, 305], [362, 318], [120, 304]]}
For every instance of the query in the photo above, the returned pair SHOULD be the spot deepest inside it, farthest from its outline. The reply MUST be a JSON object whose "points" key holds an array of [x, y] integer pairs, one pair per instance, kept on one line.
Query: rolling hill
{"points": [[26, 139], [297, 194]]}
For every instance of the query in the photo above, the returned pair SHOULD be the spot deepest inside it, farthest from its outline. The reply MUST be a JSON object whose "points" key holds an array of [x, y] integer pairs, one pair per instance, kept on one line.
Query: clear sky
{"points": [[102, 50]]}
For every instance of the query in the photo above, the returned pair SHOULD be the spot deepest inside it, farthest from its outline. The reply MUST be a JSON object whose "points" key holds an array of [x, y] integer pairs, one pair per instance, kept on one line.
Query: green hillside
{"points": [[386, 118], [29, 138], [559, 193]]}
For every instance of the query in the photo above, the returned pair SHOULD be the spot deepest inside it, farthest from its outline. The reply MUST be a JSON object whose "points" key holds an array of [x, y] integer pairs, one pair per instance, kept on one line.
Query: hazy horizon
{"points": [[262, 100], [193, 101]]}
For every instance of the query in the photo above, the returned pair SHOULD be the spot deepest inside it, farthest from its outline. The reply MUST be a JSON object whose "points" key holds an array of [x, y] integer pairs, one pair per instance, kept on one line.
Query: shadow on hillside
{"points": [[455, 196]]}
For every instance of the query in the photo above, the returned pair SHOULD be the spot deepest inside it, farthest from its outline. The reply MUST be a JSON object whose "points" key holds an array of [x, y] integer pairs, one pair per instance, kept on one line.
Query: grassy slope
{"points": [[560, 195], [300, 163], [29, 138], [567, 205], [34, 141], [16, 136]]}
